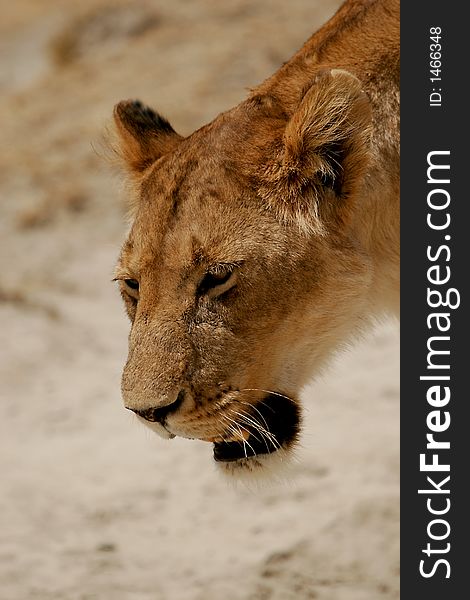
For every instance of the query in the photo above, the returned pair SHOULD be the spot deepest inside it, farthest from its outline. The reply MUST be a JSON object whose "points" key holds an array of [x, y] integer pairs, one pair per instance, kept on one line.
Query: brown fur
{"points": [[295, 190]]}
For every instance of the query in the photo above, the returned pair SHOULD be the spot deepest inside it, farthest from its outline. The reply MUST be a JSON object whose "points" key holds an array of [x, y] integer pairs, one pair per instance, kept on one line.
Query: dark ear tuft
{"points": [[140, 118], [144, 135]]}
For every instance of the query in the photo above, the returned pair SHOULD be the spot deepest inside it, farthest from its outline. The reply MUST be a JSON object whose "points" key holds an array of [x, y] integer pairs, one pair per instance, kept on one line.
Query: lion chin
{"points": [[260, 469]]}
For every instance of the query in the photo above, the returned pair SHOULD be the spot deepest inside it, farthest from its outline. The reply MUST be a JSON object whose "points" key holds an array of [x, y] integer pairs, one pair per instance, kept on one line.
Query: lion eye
{"points": [[216, 282], [132, 283]]}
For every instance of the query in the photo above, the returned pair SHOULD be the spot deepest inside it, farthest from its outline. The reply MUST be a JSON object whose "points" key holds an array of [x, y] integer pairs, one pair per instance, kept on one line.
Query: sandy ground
{"points": [[92, 505]]}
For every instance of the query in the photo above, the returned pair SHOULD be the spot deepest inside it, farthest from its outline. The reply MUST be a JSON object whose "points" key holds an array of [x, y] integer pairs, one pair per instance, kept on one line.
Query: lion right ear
{"points": [[144, 136], [324, 152]]}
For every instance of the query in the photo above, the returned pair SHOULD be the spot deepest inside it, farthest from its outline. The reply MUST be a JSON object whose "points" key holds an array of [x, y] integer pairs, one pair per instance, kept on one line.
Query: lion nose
{"points": [[159, 414]]}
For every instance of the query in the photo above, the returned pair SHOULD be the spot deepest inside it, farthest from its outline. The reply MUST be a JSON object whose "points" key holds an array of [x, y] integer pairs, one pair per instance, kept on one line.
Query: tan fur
{"points": [[295, 191]]}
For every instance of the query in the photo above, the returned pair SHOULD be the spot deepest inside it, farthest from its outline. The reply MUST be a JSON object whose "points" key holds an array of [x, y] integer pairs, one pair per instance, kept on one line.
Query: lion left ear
{"points": [[325, 148], [144, 135]]}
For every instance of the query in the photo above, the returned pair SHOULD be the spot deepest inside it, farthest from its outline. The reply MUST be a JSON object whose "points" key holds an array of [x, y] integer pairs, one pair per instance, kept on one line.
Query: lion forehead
{"points": [[202, 219]]}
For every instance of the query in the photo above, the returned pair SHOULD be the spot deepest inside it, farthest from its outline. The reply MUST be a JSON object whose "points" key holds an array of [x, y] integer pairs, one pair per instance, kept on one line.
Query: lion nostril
{"points": [[160, 414]]}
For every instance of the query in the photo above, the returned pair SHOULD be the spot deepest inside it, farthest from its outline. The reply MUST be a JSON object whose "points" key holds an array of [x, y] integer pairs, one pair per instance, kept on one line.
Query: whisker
{"points": [[256, 426], [271, 437], [244, 428], [268, 441], [236, 433], [258, 411], [233, 431], [265, 433], [265, 392], [240, 427], [251, 419]]}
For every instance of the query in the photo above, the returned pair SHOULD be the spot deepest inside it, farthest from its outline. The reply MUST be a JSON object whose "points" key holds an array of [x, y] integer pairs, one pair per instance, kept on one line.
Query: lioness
{"points": [[263, 240]]}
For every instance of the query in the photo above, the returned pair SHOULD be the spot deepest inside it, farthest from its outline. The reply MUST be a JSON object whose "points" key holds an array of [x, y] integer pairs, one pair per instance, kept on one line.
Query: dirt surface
{"points": [[92, 505]]}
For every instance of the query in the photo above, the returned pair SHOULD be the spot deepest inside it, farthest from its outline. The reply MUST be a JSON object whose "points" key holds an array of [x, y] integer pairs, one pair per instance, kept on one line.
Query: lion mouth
{"points": [[274, 424]]}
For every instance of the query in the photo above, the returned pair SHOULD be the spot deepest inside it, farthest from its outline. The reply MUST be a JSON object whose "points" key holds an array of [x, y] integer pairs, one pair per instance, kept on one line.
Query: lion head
{"points": [[242, 270]]}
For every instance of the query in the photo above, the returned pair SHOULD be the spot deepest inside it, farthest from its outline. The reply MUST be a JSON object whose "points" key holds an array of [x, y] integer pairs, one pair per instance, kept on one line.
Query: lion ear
{"points": [[143, 135], [325, 147]]}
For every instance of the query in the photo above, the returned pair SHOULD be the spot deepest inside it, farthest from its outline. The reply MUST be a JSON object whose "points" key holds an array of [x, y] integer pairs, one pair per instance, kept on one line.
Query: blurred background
{"points": [[92, 505]]}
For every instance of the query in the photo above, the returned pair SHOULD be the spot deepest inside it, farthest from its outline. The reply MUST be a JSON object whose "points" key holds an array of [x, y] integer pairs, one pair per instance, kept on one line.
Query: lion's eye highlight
{"points": [[132, 283], [215, 283]]}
